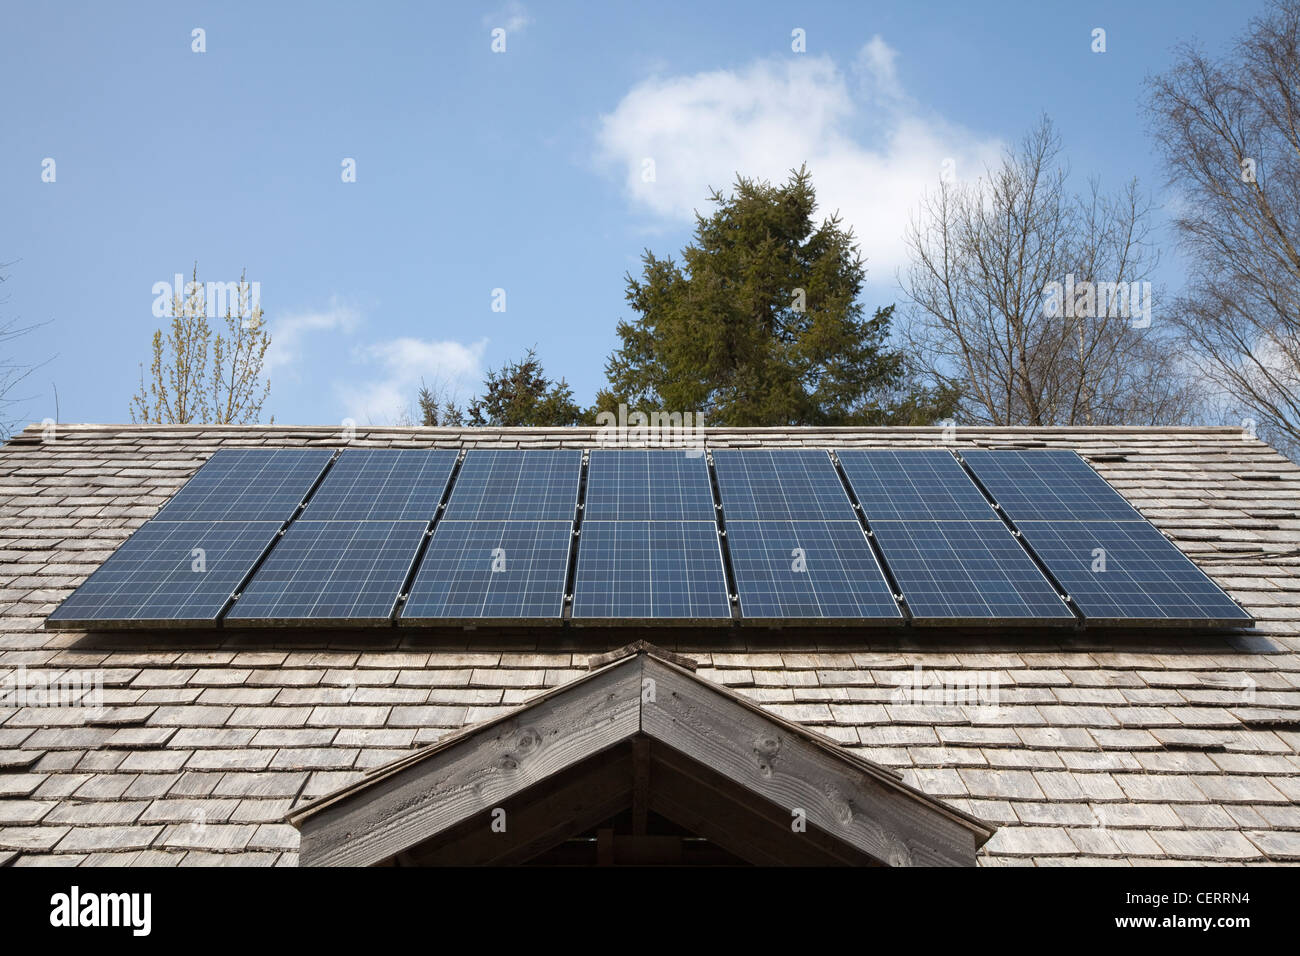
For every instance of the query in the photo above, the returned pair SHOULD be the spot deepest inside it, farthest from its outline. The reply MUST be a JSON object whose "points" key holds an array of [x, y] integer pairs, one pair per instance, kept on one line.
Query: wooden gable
{"points": [[639, 761]]}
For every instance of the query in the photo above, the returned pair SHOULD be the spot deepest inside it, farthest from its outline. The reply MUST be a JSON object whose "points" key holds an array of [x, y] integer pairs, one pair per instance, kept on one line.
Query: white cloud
{"points": [[513, 17], [876, 64], [290, 333], [872, 151], [402, 363]]}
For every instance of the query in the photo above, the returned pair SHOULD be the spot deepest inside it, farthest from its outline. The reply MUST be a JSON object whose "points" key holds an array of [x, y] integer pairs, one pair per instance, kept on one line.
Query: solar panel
{"points": [[533, 485], [174, 572], [951, 555], [331, 571], [248, 484], [966, 571], [808, 569], [920, 484], [500, 570], [1115, 565], [1128, 571], [381, 484], [780, 485], [644, 485], [1047, 485], [644, 570]]}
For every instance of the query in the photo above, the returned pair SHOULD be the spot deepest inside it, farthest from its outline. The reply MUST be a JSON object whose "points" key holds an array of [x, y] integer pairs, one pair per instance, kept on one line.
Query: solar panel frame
{"points": [[1147, 579], [967, 572], [248, 484], [621, 563], [849, 586], [455, 582], [647, 485], [513, 485], [780, 484], [383, 484], [331, 572], [190, 568]]}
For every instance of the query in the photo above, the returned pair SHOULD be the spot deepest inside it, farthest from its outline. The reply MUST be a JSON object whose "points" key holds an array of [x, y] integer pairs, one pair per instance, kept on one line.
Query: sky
{"points": [[501, 195]]}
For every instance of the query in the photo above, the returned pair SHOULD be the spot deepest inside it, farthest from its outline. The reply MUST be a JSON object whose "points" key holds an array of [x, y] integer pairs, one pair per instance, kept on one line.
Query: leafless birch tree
{"points": [[1230, 134], [985, 258]]}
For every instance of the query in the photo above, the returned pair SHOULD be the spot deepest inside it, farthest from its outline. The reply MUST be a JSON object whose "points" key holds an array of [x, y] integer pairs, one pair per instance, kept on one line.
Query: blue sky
{"points": [[476, 171]]}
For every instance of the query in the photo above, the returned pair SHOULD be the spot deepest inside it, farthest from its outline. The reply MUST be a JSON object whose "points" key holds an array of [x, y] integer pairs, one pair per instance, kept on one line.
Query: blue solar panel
{"points": [[498, 570], [643, 570], [248, 484], [176, 572], [381, 484], [780, 485], [1129, 571], [808, 569], [1047, 485], [636, 485], [331, 571], [535, 485], [951, 571], [921, 484]]}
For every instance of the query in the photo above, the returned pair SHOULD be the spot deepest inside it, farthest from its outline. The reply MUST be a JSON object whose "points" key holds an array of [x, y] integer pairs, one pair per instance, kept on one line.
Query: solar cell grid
{"points": [[1128, 570], [921, 484], [808, 569], [642, 570], [331, 571], [170, 571], [780, 485], [1047, 485], [966, 571], [248, 484], [647, 485], [532, 485], [382, 484], [502, 570]]}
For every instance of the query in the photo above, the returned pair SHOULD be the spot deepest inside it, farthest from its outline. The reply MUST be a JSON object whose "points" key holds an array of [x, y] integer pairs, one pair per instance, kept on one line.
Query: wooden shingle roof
{"points": [[1105, 746]]}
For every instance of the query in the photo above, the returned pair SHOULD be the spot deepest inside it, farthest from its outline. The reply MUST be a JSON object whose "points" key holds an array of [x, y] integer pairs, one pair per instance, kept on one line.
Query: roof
{"points": [[1120, 746], [639, 695]]}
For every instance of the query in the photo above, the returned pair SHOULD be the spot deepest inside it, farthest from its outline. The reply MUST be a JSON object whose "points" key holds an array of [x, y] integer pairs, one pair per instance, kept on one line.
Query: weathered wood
{"points": [[745, 770], [627, 650], [725, 813], [483, 771], [881, 817], [569, 803], [640, 784]]}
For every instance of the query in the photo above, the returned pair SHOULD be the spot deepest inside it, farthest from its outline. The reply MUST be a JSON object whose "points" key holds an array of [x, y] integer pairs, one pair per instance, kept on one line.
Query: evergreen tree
{"points": [[760, 324], [519, 393]]}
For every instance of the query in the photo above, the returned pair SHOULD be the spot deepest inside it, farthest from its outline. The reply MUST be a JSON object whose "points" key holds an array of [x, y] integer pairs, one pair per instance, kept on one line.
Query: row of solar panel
{"points": [[238, 544]]}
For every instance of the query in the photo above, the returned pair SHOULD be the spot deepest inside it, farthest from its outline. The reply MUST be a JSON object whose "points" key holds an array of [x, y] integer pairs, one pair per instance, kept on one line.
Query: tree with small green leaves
{"points": [[760, 323], [187, 384]]}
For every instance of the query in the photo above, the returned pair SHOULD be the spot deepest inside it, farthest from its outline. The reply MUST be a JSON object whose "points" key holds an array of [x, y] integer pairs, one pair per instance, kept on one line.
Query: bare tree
{"points": [[1230, 134], [184, 385], [13, 371], [1020, 298]]}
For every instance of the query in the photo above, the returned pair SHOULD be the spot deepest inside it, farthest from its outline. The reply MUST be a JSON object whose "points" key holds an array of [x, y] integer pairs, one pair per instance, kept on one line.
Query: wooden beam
{"points": [[567, 804], [882, 819], [483, 771], [728, 815], [640, 783], [642, 646]]}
